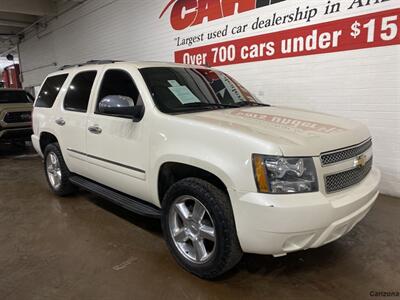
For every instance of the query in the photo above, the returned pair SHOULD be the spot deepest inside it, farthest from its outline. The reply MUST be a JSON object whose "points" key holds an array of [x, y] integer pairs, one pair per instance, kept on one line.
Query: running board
{"points": [[130, 203]]}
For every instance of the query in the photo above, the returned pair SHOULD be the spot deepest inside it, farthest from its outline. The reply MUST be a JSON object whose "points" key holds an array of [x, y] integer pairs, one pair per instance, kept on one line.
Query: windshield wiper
{"points": [[245, 103], [221, 105], [204, 104]]}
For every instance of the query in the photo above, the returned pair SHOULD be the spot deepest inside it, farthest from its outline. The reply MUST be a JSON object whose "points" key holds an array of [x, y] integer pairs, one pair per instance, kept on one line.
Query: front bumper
{"points": [[279, 224], [15, 134]]}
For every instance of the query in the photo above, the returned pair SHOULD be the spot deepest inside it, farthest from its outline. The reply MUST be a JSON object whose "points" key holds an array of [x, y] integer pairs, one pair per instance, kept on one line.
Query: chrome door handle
{"points": [[60, 121], [95, 129]]}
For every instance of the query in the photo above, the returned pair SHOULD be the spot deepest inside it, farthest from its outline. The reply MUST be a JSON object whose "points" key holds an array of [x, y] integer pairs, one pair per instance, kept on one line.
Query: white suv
{"points": [[190, 145]]}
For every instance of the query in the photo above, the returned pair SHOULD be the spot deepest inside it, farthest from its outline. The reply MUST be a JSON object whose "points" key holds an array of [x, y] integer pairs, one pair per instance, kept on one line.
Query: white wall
{"points": [[359, 84]]}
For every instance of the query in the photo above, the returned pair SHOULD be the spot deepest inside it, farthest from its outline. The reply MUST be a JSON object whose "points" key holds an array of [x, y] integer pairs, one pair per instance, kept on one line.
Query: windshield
{"points": [[14, 97], [182, 90]]}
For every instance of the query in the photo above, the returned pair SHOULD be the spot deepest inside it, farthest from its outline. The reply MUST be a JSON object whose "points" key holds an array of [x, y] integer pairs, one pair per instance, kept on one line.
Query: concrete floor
{"points": [[83, 247]]}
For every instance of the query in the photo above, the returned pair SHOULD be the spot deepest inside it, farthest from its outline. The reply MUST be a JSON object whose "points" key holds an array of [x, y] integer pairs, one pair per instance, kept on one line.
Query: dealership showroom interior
{"points": [[199, 149]]}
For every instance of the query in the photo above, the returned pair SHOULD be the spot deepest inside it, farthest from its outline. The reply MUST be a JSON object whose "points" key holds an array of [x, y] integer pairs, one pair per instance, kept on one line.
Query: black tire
{"points": [[227, 252], [66, 187]]}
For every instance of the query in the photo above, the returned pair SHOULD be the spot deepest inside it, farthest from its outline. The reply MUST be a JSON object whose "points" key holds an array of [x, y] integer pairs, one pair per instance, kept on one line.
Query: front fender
{"points": [[224, 152], [187, 160]]}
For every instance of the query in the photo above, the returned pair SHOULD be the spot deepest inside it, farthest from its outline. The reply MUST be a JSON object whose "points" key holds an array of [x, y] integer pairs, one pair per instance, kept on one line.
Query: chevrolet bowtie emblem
{"points": [[360, 161]]}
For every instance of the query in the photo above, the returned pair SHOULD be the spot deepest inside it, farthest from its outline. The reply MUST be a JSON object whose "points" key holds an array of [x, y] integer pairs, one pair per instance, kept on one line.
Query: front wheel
{"points": [[199, 228]]}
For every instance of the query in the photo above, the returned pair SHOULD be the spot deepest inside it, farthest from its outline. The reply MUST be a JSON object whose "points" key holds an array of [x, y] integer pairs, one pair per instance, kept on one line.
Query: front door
{"points": [[117, 147]]}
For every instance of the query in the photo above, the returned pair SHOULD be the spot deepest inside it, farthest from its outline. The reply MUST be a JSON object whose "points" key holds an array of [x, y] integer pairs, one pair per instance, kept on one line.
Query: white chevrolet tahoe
{"points": [[190, 145]]}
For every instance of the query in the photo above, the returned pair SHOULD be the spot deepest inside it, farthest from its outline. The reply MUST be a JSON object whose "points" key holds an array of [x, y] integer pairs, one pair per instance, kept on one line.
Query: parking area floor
{"points": [[83, 247]]}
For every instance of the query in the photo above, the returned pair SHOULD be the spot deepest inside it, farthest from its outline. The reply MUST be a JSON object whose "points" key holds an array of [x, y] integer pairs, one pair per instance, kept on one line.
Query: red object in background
{"points": [[11, 77]]}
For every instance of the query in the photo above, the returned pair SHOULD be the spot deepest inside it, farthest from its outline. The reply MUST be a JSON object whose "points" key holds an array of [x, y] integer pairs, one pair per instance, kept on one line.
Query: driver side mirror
{"points": [[121, 106]]}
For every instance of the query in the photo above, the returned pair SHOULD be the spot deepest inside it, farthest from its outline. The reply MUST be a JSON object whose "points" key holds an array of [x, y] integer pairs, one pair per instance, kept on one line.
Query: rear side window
{"points": [[78, 94], [50, 90]]}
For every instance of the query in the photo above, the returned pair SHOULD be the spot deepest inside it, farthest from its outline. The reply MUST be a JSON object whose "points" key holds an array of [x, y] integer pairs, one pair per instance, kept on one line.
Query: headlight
{"points": [[280, 175]]}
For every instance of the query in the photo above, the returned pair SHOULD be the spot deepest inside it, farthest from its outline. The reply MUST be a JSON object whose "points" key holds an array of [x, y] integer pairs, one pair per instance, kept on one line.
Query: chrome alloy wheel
{"points": [[192, 229], [53, 170]]}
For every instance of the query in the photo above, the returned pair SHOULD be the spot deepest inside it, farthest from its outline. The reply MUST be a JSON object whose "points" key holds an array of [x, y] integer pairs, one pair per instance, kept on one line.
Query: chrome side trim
{"points": [[107, 161]]}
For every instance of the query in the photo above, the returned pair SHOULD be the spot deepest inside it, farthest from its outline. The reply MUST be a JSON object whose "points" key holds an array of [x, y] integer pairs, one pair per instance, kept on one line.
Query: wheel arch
{"points": [[171, 171], [45, 139]]}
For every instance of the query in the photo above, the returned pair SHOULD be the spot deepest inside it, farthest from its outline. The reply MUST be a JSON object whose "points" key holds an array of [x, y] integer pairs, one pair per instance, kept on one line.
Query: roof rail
{"points": [[66, 67], [91, 62], [101, 62]]}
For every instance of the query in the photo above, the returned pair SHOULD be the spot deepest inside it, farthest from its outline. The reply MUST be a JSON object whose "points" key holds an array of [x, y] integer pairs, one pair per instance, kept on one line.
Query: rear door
{"points": [[43, 112], [71, 119], [118, 151]]}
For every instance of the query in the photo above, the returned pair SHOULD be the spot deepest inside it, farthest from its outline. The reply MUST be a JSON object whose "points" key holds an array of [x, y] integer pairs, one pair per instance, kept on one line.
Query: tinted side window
{"points": [[50, 90], [118, 82], [78, 94]]}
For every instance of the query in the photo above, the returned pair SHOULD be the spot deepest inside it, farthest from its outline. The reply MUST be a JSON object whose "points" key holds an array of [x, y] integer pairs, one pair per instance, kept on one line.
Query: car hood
{"points": [[296, 132]]}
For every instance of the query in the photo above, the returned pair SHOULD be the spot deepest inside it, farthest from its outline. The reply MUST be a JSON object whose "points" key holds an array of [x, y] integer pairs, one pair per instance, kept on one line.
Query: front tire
{"points": [[199, 228], [57, 173]]}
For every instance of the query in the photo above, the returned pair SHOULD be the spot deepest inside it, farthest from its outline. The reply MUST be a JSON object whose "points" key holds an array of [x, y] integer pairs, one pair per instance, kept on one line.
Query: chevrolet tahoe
{"points": [[224, 172]]}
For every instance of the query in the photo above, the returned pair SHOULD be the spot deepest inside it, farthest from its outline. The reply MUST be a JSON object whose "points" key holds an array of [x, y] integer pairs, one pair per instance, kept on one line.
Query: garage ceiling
{"points": [[18, 15]]}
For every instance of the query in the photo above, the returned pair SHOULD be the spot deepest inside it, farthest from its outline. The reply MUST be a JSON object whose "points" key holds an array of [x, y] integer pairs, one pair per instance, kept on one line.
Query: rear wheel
{"points": [[199, 228], [57, 173]]}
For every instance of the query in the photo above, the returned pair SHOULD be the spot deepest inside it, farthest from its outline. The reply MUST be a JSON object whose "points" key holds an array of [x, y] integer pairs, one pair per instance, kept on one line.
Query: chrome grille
{"points": [[343, 180], [341, 155], [18, 117]]}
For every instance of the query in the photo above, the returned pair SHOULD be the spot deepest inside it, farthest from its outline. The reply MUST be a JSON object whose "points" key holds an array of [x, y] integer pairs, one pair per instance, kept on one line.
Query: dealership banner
{"points": [[372, 30], [218, 47]]}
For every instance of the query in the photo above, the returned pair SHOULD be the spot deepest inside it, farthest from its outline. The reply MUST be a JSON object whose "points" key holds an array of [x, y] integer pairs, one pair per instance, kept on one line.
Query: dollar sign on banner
{"points": [[356, 29]]}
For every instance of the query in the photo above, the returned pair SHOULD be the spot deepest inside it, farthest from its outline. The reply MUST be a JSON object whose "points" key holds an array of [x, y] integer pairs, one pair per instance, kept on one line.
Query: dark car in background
{"points": [[15, 116]]}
